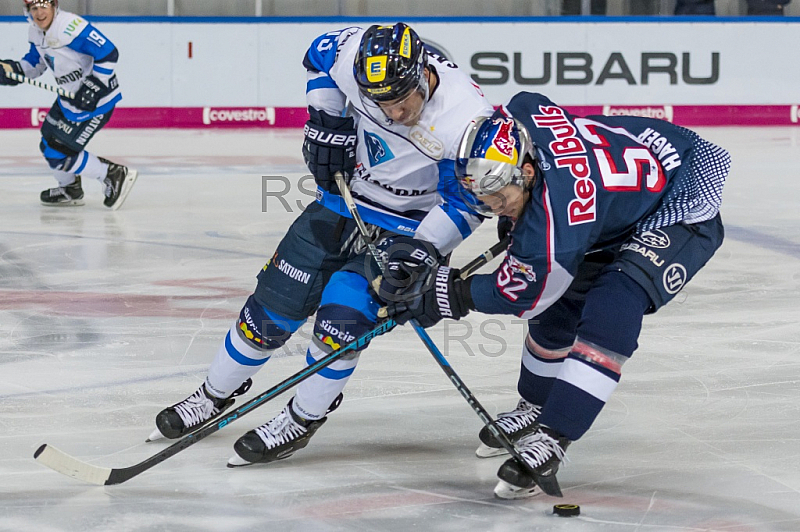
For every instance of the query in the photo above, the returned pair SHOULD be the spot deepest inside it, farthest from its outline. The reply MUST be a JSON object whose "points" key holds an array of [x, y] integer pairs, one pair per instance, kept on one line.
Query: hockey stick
{"points": [[60, 461], [428, 341], [45, 86]]}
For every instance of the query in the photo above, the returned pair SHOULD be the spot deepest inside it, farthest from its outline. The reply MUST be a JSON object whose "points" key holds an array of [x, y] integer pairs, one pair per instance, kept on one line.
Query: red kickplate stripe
{"points": [[175, 117], [295, 117]]}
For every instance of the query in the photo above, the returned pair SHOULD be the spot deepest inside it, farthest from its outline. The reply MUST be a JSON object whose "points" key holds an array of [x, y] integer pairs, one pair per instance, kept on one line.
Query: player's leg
{"points": [[63, 146], [288, 291], [542, 354], [347, 311], [635, 284], [550, 336]]}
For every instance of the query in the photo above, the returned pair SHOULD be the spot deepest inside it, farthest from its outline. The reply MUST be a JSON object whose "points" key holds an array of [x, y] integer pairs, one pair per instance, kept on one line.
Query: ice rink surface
{"points": [[107, 317]]}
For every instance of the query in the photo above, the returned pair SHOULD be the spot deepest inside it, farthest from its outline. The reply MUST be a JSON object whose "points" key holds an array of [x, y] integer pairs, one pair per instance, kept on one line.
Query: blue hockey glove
{"points": [[329, 147], [429, 299], [91, 91], [407, 259], [16, 68]]}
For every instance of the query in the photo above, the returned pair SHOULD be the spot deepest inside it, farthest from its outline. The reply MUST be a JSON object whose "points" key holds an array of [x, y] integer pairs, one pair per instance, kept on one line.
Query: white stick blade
{"points": [[72, 467]]}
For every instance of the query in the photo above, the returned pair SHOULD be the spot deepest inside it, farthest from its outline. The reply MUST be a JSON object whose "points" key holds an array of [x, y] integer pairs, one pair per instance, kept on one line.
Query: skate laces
{"points": [[196, 408], [523, 416], [538, 447], [282, 429], [109, 191]]}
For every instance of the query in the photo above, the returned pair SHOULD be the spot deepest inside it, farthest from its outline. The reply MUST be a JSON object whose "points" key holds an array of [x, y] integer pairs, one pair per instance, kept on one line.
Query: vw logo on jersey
{"points": [[377, 149], [674, 278], [655, 239]]}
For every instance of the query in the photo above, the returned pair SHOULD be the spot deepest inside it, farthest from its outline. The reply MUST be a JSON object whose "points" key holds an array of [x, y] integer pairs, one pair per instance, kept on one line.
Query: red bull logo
{"points": [[504, 143], [517, 266]]}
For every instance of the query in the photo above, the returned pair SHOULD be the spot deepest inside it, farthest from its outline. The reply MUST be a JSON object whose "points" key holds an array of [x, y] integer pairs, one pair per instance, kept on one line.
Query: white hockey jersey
{"points": [[404, 179], [73, 49]]}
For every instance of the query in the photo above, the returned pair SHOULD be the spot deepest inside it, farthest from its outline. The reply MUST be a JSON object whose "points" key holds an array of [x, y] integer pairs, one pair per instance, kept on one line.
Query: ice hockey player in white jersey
{"points": [[82, 61], [388, 114]]}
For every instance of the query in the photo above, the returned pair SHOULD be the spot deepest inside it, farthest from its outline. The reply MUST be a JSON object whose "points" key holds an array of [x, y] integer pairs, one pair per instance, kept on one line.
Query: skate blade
{"points": [[238, 461], [70, 203], [484, 451], [156, 435], [507, 491], [127, 185]]}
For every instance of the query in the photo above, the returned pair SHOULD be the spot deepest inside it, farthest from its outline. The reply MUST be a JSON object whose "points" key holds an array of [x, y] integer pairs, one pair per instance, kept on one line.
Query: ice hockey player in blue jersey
{"points": [[389, 115], [612, 217], [82, 61]]}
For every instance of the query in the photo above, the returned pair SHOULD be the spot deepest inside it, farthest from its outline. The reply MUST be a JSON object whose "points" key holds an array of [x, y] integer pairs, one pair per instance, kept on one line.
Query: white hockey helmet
{"points": [[30, 3], [490, 157]]}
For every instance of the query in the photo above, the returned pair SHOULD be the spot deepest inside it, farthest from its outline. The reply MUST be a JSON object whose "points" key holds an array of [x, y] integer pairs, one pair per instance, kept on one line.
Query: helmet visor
{"points": [[404, 110], [483, 184]]}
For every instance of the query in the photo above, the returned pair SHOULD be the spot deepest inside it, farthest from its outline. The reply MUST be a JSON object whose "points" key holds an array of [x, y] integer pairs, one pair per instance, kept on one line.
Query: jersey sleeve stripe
{"points": [[322, 82], [101, 70]]}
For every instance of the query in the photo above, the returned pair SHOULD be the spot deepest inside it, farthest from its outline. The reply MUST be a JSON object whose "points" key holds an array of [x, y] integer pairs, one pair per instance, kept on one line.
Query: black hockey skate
{"points": [[515, 424], [63, 196], [279, 438], [118, 183], [543, 450], [193, 412]]}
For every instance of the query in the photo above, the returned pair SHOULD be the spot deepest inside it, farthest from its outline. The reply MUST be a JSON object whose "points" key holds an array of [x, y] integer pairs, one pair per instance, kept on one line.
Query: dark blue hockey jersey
{"points": [[600, 179]]}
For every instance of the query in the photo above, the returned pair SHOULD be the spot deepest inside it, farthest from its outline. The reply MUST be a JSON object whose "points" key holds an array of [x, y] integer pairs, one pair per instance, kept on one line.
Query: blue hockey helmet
{"points": [[490, 157], [390, 66]]}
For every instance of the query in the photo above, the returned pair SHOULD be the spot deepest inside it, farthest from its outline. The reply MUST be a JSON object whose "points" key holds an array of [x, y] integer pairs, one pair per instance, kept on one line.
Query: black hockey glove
{"points": [[16, 68], [329, 147], [408, 259], [504, 226], [92, 91], [442, 294]]}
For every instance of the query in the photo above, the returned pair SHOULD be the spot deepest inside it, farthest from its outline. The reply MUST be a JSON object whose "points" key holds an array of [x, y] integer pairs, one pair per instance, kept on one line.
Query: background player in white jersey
{"points": [[389, 115], [82, 60], [612, 217]]}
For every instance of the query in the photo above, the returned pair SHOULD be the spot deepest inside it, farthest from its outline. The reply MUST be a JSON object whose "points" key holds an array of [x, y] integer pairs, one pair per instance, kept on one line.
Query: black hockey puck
{"points": [[566, 510]]}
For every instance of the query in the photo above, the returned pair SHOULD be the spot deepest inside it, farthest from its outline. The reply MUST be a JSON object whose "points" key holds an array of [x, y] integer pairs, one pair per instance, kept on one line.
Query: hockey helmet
{"points": [[490, 157], [389, 67], [30, 3]]}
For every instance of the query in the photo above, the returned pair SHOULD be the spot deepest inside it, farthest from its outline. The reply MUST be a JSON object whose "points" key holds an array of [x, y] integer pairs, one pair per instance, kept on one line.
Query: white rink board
{"points": [[260, 64]]}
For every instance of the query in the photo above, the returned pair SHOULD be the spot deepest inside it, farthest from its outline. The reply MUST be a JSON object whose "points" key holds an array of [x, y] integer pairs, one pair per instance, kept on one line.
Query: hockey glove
{"points": [[442, 294], [92, 91], [329, 147], [9, 65], [408, 259], [504, 226]]}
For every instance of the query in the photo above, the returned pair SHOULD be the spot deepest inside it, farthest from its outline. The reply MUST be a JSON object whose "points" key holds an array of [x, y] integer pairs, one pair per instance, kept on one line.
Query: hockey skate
{"points": [[279, 438], [118, 183], [515, 424], [543, 450], [63, 196], [193, 412]]}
